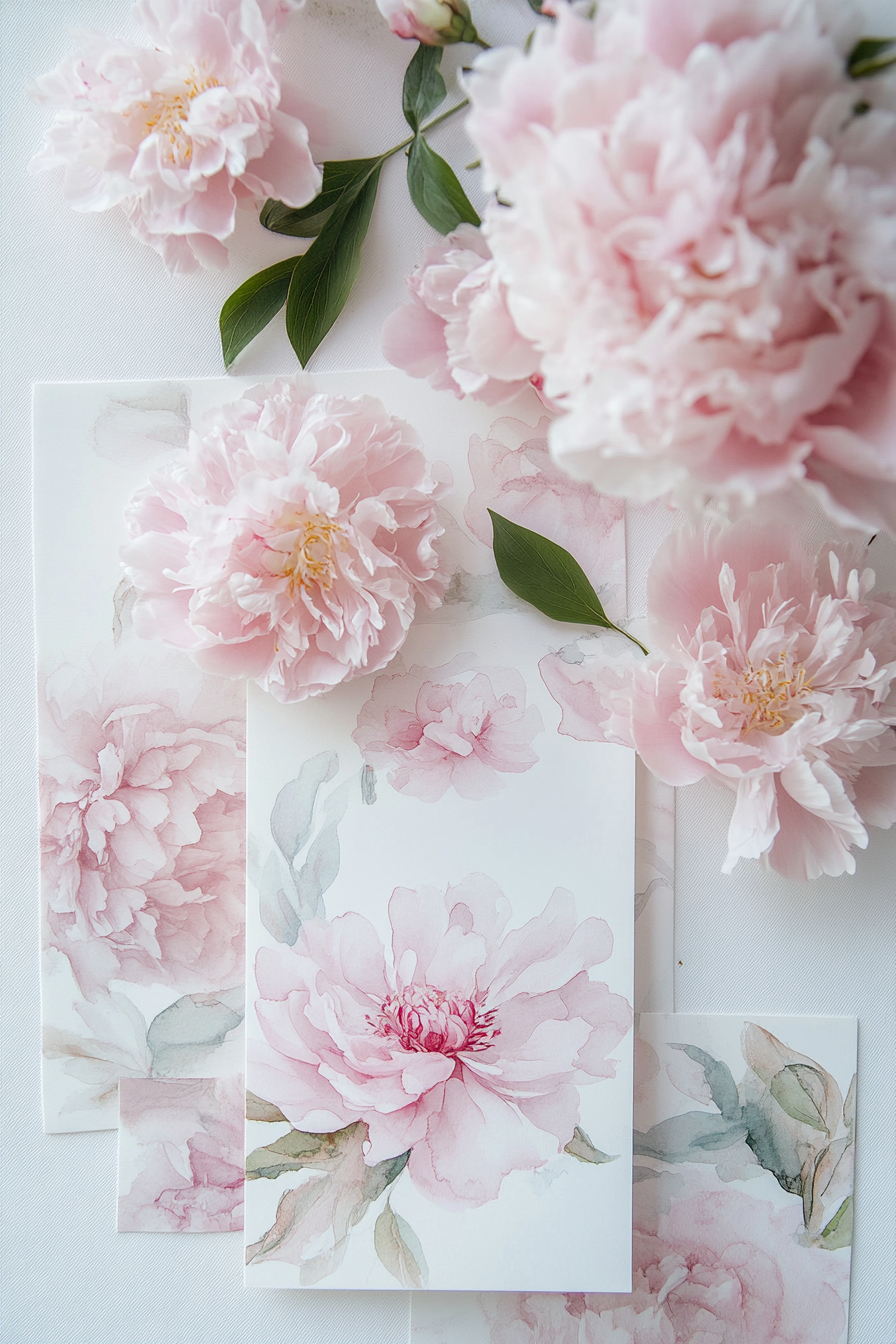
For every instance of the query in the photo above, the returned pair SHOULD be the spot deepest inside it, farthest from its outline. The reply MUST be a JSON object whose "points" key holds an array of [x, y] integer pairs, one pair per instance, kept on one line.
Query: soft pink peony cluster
{"points": [[434, 22], [292, 543], [772, 673], [176, 132], [466, 1045], [457, 330], [460, 726], [710, 1263], [696, 233], [142, 817]]}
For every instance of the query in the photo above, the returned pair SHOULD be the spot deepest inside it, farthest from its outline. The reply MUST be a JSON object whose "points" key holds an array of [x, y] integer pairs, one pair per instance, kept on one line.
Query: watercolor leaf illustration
{"points": [[581, 1148], [184, 1034], [399, 1249], [265, 1111], [288, 895], [116, 1047]]}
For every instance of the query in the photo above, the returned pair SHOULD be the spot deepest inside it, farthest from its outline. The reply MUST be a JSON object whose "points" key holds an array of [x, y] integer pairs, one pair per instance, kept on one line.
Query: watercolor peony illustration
{"points": [[457, 330], [465, 1043], [292, 544], [142, 817], [710, 1263], [460, 726], [176, 132], [772, 674], [696, 227], [182, 1140]]}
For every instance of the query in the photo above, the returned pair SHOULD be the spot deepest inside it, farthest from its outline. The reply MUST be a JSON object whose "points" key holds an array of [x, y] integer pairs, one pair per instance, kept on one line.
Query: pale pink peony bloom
{"points": [[771, 673], [142, 819], [457, 331], [699, 242], [466, 1045], [183, 1140], [710, 1263], [514, 474], [292, 543], [434, 22], [176, 132], [460, 726]]}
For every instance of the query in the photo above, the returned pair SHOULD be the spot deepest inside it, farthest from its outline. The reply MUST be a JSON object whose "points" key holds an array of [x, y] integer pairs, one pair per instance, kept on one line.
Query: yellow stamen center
{"points": [[769, 696], [312, 559], [165, 114]]}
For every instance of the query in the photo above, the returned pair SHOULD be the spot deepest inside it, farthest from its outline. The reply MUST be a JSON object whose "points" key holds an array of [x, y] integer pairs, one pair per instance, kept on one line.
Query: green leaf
{"points": [[865, 58], [251, 307], [343, 179], [839, 1230], [259, 1109], [719, 1080], [581, 1147], [324, 276], [799, 1091], [424, 88], [545, 575], [187, 1031], [435, 190], [399, 1249]]}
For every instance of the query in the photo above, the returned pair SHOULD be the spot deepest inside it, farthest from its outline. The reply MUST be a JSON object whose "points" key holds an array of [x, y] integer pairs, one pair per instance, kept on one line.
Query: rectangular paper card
{"points": [[441, 936], [141, 773], [743, 1196]]}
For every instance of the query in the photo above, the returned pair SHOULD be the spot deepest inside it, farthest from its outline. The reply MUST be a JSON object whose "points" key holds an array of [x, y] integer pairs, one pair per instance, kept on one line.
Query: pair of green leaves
{"points": [[314, 287]]}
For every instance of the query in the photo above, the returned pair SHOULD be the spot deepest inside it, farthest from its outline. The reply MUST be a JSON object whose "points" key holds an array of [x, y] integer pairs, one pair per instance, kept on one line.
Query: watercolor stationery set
{"points": [[364, 697]]}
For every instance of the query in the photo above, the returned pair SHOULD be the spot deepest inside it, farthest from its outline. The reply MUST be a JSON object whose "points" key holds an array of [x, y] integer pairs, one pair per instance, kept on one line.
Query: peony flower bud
{"points": [[435, 22]]}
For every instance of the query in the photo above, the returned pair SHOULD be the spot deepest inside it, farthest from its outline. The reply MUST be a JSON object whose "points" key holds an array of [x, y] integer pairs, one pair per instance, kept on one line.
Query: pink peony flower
{"points": [[435, 22], [185, 1140], [699, 244], [460, 726], [457, 331], [710, 1263], [175, 132], [466, 1046], [771, 674], [292, 543], [513, 473], [142, 818]]}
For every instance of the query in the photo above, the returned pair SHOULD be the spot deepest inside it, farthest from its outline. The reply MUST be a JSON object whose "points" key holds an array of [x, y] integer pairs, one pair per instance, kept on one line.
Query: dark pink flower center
{"points": [[433, 1022]]}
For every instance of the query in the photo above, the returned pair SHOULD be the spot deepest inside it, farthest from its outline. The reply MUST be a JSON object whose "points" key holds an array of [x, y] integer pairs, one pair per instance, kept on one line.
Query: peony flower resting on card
{"points": [[465, 1044], [696, 234], [142, 821], [772, 673], [437, 23], [457, 330], [460, 726], [292, 543], [176, 132], [710, 1263]]}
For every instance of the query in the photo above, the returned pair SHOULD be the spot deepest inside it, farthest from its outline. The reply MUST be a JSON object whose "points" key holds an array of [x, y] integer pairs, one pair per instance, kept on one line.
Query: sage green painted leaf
{"points": [[424, 88], [184, 1034], [399, 1249], [868, 57], [343, 179], [581, 1148], [719, 1080], [251, 307], [435, 190], [323, 278], [297, 1150], [259, 1109], [839, 1230], [799, 1090]]}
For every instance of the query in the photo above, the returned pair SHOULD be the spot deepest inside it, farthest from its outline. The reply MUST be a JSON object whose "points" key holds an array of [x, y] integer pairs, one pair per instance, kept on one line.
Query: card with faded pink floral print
{"points": [[743, 1196], [141, 780], [440, 927]]}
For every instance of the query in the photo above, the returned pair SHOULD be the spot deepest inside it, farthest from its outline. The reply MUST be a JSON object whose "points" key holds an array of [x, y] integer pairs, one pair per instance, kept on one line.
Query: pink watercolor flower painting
{"points": [[142, 821], [465, 1043], [176, 132], [709, 1263], [514, 474], [461, 727], [181, 1155], [293, 542], [694, 229]]}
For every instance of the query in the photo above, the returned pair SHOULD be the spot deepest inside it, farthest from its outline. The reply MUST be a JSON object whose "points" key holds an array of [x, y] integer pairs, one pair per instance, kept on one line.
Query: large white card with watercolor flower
{"points": [[440, 927]]}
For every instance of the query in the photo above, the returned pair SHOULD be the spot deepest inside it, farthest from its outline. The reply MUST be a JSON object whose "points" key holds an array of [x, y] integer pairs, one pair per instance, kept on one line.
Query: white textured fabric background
{"points": [[84, 301]]}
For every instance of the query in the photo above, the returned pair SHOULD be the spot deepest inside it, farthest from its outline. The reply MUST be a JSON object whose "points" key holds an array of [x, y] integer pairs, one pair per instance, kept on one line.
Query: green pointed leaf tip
{"points": [[251, 307], [868, 57], [323, 278], [343, 179], [424, 88], [799, 1091], [435, 190], [399, 1250], [581, 1148], [838, 1232]]}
